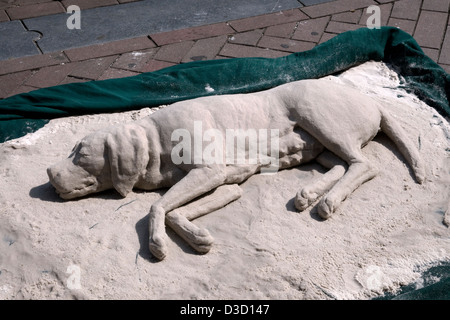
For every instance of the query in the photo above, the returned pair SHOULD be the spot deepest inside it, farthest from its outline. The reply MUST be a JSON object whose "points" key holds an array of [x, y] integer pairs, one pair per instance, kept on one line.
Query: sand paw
{"points": [[326, 208], [202, 241], [303, 199], [158, 247]]}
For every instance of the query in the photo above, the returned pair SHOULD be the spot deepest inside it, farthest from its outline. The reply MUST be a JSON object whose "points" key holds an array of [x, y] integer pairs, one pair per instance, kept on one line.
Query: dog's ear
{"points": [[127, 149]]}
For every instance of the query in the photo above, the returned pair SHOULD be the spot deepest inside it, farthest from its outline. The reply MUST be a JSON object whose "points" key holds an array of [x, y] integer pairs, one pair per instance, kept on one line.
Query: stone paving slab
{"points": [[430, 29], [19, 43], [27, 7], [3, 16], [194, 33], [406, 25], [135, 19], [313, 2], [266, 20], [311, 30], [205, 49], [49, 76], [109, 48], [32, 62], [406, 9], [436, 5], [35, 10], [88, 4], [133, 61], [337, 6], [104, 21], [445, 51], [12, 81], [92, 69]]}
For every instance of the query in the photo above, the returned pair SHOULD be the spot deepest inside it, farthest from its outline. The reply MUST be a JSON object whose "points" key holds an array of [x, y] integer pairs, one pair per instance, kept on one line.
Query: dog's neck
{"points": [[153, 178]]}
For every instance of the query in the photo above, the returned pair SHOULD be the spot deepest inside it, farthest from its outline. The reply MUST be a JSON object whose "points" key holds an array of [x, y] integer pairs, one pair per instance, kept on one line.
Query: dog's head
{"points": [[106, 159]]}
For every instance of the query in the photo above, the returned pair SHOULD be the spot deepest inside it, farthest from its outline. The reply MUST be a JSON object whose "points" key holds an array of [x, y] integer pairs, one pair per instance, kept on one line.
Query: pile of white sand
{"points": [[381, 237]]}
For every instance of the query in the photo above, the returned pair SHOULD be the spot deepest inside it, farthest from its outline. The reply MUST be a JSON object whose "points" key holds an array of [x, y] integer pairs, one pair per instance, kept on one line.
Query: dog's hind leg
{"points": [[179, 219], [310, 193], [359, 171], [197, 182]]}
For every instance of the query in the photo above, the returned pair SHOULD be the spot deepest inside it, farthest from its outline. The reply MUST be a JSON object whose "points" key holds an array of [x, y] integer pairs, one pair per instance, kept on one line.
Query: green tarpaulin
{"points": [[28, 112]]}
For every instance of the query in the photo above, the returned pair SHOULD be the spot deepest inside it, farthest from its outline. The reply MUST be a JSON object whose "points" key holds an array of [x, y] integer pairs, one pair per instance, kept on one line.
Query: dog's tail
{"points": [[396, 133]]}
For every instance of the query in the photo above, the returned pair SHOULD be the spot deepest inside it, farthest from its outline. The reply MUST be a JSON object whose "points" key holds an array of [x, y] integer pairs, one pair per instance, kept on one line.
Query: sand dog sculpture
{"points": [[312, 119]]}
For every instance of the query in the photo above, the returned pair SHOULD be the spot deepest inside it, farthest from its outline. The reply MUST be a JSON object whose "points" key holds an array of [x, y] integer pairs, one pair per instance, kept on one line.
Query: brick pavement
{"points": [[271, 35]]}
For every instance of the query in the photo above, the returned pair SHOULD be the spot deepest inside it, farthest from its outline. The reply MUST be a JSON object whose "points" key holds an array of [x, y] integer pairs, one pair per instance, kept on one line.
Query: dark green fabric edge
{"points": [[27, 112]]}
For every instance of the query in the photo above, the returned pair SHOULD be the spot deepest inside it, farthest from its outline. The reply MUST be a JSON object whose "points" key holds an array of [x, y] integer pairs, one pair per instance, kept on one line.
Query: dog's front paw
{"points": [[158, 247], [201, 241]]}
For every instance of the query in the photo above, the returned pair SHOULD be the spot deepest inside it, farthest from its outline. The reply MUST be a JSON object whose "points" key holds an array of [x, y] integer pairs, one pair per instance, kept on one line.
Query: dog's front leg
{"points": [[179, 218], [196, 183]]}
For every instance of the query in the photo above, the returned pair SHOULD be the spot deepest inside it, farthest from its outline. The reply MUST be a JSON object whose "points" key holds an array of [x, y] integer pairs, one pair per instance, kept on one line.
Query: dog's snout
{"points": [[50, 173], [54, 177], [58, 177], [53, 174], [71, 181]]}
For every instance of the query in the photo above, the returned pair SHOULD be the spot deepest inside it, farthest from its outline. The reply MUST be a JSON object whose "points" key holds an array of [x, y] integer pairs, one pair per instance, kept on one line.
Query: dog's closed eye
{"points": [[75, 150], [80, 149], [83, 152]]}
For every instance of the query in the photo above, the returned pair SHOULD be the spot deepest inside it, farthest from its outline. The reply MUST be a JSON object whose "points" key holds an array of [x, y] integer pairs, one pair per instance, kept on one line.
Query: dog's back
{"points": [[260, 110]]}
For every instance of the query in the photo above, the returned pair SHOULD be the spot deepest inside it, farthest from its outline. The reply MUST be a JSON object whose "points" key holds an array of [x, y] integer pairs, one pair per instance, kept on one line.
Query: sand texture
{"points": [[382, 236]]}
